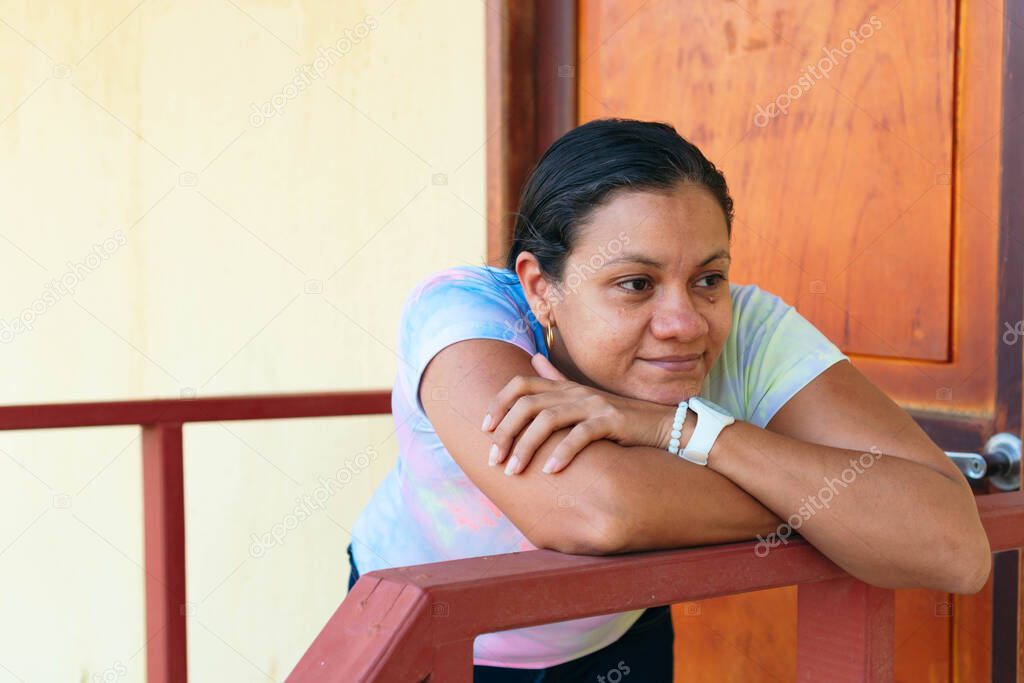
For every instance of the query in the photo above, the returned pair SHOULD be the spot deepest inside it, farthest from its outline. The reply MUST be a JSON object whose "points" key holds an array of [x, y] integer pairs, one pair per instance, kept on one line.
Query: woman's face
{"points": [[644, 289]]}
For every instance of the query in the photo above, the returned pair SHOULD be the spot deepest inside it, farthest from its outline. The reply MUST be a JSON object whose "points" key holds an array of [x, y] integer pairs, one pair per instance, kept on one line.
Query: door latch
{"points": [[1000, 462]]}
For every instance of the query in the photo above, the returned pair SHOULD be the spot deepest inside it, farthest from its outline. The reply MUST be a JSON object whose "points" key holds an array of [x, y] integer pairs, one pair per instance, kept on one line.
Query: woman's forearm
{"points": [[648, 499], [615, 499], [901, 523], [858, 511], [655, 500], [887, 520]]}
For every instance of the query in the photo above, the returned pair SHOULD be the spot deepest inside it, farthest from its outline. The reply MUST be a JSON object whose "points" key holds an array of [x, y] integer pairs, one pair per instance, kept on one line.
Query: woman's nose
{"points": [[677, 318]]}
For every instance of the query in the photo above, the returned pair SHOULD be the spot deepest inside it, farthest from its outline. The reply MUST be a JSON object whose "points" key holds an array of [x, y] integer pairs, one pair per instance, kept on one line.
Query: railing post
{"points": [[163, 502], [844, 632]]}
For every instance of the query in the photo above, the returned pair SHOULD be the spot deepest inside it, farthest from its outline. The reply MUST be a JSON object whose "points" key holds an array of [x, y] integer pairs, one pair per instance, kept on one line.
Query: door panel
{"points": [[844, 200], [763, 650], [871, 204]]}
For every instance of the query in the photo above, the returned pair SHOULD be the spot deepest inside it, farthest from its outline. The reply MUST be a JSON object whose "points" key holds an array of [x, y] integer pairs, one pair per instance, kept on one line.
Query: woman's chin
{"points": [[643, 387], [666, 393]]}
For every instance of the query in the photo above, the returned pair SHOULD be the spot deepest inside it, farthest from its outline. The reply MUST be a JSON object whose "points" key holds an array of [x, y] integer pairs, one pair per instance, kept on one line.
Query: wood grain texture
{"points": [[710, 648], [966, 384], [510, 114], [530, 90], [971, 634], [754, 636], [843, 201], [923, 624], [864, 205]]}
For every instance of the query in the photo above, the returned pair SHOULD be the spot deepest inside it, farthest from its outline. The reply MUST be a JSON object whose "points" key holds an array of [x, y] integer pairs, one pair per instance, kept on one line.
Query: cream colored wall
{"points": [[208, 247]]}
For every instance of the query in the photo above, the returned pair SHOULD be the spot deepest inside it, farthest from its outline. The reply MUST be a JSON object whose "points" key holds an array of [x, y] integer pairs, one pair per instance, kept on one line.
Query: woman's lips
{"points": [[676, 363]]}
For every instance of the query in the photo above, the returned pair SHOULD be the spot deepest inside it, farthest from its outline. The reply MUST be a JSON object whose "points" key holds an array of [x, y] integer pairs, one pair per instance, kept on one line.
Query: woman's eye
{"points": [[637, 284], [713, 276]]}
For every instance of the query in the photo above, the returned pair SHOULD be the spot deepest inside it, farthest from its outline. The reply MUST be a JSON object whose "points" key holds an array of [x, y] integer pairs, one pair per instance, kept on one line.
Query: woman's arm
{"points": [[593, 506], [907, 519], [899, 513], [851, 471]]}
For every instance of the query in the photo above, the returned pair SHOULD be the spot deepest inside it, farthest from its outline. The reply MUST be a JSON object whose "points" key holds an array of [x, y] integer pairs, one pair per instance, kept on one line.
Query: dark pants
{"points": [[643, 653]]}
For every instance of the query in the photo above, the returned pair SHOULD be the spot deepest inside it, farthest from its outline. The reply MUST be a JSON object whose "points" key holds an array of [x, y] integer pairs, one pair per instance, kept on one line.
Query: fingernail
{"points": [[487, 423], [549, 466], [513, 463], [492, 458]]}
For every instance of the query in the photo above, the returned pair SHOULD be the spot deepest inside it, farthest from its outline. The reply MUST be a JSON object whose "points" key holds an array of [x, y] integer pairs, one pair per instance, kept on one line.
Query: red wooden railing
{"points": [[418, 623], [163, 487]]}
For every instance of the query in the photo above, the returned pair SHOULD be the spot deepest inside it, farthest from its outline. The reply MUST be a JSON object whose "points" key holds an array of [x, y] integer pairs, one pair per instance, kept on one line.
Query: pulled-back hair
{"points": [[584, 169]]}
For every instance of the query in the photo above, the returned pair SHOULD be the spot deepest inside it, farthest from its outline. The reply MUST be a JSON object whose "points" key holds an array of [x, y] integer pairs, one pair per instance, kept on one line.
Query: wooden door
{"points": [[873, 151]]}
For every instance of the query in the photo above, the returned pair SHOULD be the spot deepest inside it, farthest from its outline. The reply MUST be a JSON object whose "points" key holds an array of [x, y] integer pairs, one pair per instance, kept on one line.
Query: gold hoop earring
{"points": [[549, 336]]}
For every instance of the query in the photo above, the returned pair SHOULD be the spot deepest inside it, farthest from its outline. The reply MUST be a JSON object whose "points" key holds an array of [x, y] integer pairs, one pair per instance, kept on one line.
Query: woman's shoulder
{"points": [[460, 303], [755, 308], [465, 278], [771, 353], [751, 296], [465, 301]]}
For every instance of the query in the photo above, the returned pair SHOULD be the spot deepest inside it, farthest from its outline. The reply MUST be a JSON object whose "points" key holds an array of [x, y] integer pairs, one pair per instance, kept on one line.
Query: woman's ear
{"points": [[539, 292]]}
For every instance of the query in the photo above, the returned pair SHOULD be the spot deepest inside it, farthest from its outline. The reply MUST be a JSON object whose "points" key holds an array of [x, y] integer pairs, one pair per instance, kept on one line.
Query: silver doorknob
{"points": [[1000, 462]]}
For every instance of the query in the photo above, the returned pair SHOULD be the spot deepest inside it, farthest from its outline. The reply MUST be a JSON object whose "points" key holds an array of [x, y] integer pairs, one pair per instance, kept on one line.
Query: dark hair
{"points": [[585, 168]]}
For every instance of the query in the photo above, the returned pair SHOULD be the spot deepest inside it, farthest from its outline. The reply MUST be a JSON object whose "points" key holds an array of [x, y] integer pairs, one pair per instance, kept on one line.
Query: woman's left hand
{"points": [[528, 410]]}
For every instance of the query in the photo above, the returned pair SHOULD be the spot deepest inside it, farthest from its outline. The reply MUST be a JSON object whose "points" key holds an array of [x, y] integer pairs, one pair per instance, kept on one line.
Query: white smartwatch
{"points": [[711, 420]]}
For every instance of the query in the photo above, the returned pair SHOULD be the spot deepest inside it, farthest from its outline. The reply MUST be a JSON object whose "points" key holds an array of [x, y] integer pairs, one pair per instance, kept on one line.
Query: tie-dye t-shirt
{"points": [[428, 510]]}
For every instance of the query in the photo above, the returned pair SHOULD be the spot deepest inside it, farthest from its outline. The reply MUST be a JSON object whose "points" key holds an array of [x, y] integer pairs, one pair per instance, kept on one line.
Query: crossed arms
{"points": [[908, 521]]}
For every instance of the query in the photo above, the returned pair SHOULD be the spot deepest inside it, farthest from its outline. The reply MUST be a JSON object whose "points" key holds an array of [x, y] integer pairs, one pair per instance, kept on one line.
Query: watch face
{"points": [[713, 406]]}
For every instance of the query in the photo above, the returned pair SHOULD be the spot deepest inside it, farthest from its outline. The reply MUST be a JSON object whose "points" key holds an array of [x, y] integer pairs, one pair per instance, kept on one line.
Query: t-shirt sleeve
{"points": [[453, 305], [781, 352]]}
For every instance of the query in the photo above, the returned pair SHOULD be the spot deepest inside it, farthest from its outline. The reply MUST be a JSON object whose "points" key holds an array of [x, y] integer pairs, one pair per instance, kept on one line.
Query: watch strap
{"points": [[705, 433]]}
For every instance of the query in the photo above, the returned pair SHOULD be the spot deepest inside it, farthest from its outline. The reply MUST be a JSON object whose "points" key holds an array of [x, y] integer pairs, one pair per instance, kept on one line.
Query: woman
{"points": [[611, 391]]}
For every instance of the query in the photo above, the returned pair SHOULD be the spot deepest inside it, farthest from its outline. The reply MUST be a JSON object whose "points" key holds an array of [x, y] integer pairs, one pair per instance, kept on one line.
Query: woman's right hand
{"points": [[528, 410]]}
